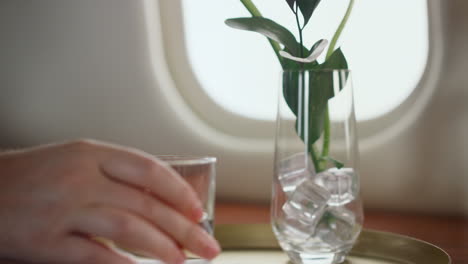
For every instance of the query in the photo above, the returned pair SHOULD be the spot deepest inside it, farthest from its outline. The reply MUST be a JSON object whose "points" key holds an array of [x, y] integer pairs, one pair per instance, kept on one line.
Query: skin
{"points": [[55, 199]]}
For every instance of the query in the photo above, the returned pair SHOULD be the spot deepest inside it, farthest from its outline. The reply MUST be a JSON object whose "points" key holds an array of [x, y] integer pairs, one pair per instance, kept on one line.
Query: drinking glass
{"points": [[200, 173], [316, 210]]}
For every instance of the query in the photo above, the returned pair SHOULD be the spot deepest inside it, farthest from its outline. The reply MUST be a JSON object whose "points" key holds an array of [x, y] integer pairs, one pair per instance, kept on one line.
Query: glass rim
{"points": [[186, 159], [317, 70]]}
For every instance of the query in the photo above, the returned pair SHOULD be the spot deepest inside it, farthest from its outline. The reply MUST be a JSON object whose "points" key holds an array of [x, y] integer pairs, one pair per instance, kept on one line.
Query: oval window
{"points": [[386, 44]]}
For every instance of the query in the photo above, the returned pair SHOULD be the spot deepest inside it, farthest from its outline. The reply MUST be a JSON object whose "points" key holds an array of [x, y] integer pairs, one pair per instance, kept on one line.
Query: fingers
{"points": [[185, 232], [153, 224], [128, 231], [145, 172], [78, 249]]}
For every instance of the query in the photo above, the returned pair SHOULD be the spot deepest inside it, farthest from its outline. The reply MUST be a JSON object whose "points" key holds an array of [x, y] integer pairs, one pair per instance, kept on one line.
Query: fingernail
{"points": [[197, 214]]}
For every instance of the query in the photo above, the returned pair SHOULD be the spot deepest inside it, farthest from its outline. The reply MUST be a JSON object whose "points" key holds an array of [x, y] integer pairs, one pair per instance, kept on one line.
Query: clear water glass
{"points": [[316, 210], [200, 173]]}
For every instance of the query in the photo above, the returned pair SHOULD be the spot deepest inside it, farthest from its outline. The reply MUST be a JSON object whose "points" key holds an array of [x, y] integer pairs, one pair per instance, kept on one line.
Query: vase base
{"points": [[317, 258]]}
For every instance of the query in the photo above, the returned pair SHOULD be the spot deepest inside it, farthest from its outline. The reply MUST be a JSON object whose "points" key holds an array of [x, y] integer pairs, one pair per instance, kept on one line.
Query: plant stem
{"points": [[253, 10], [326, 140], [300, 34], [315, 159], [331, 48], [337, 34]]}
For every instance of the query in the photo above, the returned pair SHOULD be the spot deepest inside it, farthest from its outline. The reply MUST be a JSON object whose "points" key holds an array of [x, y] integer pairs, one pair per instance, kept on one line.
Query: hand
{"points": [[54, 199]]}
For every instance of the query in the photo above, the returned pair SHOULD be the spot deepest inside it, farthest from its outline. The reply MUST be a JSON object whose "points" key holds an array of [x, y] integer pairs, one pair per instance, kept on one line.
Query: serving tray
{"points": [[256, 244]]}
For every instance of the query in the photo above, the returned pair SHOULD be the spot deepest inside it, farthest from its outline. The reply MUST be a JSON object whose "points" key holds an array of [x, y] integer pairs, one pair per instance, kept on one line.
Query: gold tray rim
{"points": [[372, 244]]}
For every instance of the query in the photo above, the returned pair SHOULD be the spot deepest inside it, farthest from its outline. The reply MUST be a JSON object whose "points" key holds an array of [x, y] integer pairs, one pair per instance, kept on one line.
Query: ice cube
{"points": [[337, 227], [294, 170], [290, 180], [340, 183], [295, 231], [307, 203]]}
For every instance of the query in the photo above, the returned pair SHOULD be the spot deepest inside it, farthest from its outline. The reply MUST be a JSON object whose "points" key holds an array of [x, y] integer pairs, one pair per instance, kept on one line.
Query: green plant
{"points": [[294, 57]]}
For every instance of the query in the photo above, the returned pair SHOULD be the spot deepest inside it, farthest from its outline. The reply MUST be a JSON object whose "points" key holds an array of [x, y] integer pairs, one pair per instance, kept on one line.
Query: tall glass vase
{"points": [[316, 209]]}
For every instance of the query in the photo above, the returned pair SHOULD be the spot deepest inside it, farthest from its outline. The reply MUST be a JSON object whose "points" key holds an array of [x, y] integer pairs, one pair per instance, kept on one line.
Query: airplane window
{"points": [[386, 44]]}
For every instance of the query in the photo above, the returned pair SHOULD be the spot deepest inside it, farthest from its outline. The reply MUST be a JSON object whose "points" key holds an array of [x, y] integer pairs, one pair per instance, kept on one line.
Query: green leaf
{"points": [[316, 44], [307, 8], [320, 89], [269, 29], [290, 89], [315, 52], [293, 65], [291, 4], [336, 163], [309, 127], [336, 61], [291, 79]]}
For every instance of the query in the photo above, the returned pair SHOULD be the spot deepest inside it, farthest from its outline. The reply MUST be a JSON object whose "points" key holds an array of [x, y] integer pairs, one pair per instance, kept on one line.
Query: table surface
{"points": [[447, 232]]}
